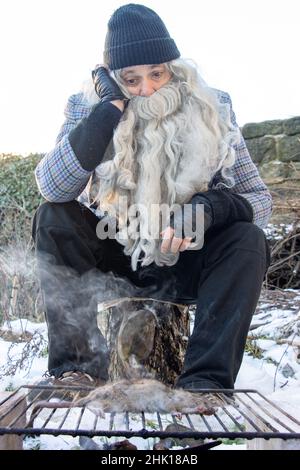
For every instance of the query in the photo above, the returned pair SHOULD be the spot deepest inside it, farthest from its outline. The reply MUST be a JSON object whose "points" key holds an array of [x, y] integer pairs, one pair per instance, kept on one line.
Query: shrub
{"points": [[19, 196]]}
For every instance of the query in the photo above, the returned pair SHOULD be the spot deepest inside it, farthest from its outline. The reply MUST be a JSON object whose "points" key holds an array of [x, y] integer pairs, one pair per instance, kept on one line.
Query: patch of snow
{"points": [[265, 343]]}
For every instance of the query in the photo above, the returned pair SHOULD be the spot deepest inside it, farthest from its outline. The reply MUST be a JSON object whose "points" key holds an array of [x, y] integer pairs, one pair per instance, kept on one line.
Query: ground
{"points": [[270, 365]]}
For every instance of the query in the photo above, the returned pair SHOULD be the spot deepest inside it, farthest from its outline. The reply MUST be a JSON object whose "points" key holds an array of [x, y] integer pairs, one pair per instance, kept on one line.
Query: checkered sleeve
{"points": [[59, 175], [248, 182]]}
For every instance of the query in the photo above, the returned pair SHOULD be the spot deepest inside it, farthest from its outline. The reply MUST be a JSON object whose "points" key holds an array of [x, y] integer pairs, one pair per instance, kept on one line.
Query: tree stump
{"points": [[146, 338]]}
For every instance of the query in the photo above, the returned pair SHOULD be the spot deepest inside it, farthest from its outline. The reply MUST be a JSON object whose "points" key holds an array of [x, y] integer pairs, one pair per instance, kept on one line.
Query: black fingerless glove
{"points": [[223, 207], [90, 138], [105, 86], [187, 223]]}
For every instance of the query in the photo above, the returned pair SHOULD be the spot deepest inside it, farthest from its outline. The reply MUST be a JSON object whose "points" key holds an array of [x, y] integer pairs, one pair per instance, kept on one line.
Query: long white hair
{"points": [[166, 148]]}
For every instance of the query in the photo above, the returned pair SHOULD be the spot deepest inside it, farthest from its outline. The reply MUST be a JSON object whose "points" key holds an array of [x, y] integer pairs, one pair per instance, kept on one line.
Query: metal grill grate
{"points": [[250, 415]]}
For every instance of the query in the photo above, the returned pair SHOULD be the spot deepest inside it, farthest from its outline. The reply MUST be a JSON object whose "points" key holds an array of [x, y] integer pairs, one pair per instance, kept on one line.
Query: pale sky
{"points": [[249, 48]]}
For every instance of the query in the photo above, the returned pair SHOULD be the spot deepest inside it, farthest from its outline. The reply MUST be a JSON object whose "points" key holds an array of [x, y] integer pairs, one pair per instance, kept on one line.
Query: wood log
{"points": [[274, 443], [146, 338], [9, 411]]}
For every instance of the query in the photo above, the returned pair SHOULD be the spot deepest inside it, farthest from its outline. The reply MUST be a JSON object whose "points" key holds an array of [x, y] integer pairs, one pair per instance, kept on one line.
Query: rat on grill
{"points": [[134, 396]]}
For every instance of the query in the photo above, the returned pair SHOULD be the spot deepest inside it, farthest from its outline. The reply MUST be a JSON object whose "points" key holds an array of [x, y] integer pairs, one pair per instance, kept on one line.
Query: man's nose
{"points": [[146, 88]]}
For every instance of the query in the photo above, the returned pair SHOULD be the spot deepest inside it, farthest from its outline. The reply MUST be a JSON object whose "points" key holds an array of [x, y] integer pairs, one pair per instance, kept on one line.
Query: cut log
{"points": [[146, 338]]}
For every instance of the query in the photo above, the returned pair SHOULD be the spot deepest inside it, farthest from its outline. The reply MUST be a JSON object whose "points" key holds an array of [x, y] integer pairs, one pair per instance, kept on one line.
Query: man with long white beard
{"points": [[147, 132]]}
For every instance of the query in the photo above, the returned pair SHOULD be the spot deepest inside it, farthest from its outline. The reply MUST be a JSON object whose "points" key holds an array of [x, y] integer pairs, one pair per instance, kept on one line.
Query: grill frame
{"points": [[257, 411]]}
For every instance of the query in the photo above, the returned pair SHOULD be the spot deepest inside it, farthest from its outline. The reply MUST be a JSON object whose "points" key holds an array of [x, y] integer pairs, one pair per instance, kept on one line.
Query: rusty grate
{"points": [[250, 415]]}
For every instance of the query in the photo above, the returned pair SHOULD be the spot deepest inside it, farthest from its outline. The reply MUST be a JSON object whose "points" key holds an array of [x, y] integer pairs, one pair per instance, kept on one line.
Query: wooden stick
{"points": [[13, 297], [289, 342]]}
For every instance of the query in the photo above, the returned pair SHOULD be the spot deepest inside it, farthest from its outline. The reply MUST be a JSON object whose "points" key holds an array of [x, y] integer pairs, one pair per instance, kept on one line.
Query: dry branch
{"points": [[284, 271]]}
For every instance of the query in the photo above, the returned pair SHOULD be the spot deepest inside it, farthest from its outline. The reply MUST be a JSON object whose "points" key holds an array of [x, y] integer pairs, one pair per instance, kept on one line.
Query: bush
{"points": [[19, 196]]}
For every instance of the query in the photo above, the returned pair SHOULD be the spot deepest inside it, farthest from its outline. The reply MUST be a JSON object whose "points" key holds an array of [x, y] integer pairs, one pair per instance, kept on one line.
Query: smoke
{"points": [[17, 259], [19, 293], [71, 303], [34, 285]]}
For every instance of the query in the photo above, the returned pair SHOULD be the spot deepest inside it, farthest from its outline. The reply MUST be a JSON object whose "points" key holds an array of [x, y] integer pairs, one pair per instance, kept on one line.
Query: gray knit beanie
{"points": [[136, 36]]}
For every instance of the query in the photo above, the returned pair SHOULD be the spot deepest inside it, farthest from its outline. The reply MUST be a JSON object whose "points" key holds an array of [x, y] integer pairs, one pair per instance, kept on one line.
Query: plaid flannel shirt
{"points": [[61, 178]]}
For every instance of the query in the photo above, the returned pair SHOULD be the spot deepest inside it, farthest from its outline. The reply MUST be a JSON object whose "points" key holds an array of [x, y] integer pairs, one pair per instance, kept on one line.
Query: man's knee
{"points": [[55, 209], [60, 214], [253, 238], [250, 233]]}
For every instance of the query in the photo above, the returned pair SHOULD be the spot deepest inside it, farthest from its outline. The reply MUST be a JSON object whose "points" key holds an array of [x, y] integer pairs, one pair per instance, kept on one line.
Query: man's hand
{"points": [[106, 87], [173, 244], [186, 231]]}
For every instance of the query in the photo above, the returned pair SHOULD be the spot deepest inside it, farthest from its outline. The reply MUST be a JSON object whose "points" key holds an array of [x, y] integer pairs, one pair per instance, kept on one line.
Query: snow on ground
{"points": [[34, 364], [275, 372]]}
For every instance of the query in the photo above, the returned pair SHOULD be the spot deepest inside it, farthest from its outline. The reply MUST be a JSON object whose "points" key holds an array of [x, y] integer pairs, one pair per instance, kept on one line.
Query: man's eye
{"points": [[131, 81], [157, 74]]}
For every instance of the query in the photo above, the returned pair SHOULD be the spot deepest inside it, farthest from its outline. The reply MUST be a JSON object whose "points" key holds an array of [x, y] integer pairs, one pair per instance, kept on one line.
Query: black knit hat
{"points": [[136, 36]]}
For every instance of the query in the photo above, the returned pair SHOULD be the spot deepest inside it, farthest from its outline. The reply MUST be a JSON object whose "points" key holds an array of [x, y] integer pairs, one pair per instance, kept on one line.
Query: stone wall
{"points": [[275, 147]]}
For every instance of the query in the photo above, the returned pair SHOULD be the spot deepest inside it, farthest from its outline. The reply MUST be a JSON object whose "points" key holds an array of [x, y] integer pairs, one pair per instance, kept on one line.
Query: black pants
{"points": [[224, 279]]}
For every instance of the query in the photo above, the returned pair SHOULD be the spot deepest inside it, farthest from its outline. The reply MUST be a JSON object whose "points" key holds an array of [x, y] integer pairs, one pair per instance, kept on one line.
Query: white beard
{"points": [[164, 153]]}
